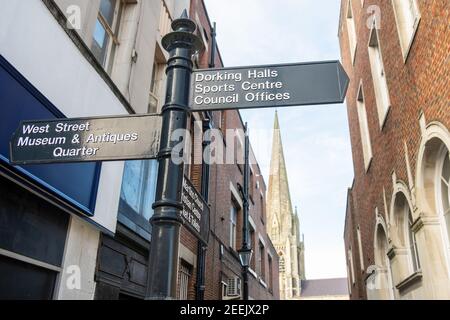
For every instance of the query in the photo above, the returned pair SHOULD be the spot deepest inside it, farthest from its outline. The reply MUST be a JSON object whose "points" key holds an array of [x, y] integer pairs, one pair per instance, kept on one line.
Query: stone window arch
{"points": [[402, 233], [383, 289], [442, 182], [432, 180]]}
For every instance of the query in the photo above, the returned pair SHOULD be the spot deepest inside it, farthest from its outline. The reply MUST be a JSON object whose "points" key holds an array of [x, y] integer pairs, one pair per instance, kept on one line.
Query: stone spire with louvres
{"points": [[283, 223]]}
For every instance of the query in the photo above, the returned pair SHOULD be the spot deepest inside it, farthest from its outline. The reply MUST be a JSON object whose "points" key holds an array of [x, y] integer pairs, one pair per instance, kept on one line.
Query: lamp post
{"points": [[245, 253], [163, 259]]}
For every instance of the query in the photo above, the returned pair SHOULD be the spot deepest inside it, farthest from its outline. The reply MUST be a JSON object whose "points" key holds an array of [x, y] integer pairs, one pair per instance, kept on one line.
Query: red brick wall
{"points": [[219, 267], [419, 85]]}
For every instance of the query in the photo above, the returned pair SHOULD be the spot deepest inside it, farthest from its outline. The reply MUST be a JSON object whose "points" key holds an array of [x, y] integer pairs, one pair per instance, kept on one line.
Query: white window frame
{"points": [[361, 257], [111, 33], [364, 127], [406, 37], [233, 225], [379, 78], [352, 267], [439, 201], [351, 31], [185, 275]]}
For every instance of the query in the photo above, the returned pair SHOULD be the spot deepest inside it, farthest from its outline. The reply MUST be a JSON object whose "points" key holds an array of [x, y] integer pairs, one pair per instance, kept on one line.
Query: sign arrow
{"points": [[132, 137], [269, 86]]}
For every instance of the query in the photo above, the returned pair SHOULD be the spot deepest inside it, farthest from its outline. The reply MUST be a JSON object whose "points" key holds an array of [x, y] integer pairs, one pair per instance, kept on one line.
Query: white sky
{"points": [[316, 139]]}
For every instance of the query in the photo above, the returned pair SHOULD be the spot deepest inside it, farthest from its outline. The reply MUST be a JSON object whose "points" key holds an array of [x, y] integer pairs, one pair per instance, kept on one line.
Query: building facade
{"points": [[82, 231], [397, 221], [283, 223]]}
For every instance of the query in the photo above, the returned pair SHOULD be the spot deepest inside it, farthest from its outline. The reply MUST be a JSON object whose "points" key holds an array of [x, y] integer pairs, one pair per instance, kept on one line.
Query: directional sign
{"points": [[195, 214], [268, 86], [86, 139]]}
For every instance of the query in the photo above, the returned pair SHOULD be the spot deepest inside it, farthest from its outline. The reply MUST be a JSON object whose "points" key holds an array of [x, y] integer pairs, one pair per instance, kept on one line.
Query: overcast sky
{"points": [[316, 139]]}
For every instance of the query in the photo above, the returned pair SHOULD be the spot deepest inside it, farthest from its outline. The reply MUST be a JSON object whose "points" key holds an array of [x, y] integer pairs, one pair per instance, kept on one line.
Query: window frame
{"points": [[185, 277], [352, 266], [129, 217], [233, 225], [111, 32], [382, 110], [364, 128], [262, 260], [360, 249], [406, 44], [445, 231], [351, 31]]}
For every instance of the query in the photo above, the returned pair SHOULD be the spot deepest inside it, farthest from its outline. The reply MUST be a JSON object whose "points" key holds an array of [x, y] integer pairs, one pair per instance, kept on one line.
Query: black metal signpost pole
{"points": [[163, 260]]}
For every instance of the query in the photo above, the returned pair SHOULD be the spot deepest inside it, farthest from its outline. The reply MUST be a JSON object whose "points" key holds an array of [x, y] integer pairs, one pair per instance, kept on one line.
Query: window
{"points": [[407, 17], [239, 152], [378, 76], [361, 257], [263, 209], [443, 193], [185, 274], [233, 226], [105, 33], [385, 290], [403, 226], [137, 195], [270, 262], [351, 30], [253, 245], [262, 262], [364, 128], [350, 262], [153, 101], [157, 82]]}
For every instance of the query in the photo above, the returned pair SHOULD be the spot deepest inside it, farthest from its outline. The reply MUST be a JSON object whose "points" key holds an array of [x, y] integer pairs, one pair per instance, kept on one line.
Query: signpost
{"points": [[195, 214], [86, 139], [269, 86], [140, 137]]}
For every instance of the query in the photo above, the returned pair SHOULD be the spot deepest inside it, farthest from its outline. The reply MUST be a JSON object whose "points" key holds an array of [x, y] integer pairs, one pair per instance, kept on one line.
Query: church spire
{"points": [[279, 199], [283, 222]]}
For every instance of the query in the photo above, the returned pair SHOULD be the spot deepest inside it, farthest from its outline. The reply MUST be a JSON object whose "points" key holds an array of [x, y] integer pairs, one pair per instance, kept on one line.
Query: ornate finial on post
{"points": [[183, 35]]}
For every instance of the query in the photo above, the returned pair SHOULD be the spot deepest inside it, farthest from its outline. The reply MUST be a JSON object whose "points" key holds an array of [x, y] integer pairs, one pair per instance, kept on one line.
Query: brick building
{"points": [[98, 58], [397, 227]]}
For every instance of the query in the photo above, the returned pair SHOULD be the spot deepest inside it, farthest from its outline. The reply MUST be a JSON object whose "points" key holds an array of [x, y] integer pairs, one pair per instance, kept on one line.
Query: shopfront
{"points": [[35, 201]]}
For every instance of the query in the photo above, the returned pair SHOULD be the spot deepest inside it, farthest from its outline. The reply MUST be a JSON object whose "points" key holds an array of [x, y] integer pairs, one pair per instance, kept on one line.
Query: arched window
{"points": [[406, 237], [383, 282], [443, 193]]}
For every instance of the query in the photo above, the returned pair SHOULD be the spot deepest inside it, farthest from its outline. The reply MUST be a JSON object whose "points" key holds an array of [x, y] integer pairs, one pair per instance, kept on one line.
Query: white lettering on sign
{"points": [[96, 139], [83, 152], [216, 88], [193, 206], [28, 142], [112, 138]]}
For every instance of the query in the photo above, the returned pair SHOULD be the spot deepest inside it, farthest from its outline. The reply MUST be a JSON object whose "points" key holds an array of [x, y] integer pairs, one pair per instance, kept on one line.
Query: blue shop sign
{"points": [[76, 184]]}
